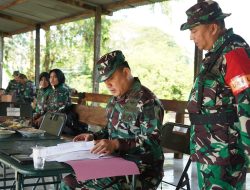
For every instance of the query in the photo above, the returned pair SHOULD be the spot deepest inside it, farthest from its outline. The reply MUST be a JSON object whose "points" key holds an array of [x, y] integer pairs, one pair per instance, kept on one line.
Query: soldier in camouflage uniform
{"points": [[27, 90], [219, 102], [13, 85], [59, 98], [133, 131], [41, 98]]}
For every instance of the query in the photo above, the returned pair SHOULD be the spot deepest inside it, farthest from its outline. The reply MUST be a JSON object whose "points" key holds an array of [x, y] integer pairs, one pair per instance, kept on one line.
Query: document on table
{"points": [[68, 147], [79, 155], [70, 151]]}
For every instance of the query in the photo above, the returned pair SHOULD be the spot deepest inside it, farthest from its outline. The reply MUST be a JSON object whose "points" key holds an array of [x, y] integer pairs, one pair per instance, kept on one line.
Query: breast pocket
{"points": [[210, 92], [129, 120]]}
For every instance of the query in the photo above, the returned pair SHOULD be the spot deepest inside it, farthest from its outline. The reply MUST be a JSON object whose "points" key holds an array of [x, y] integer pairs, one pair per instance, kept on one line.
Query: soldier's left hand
{"points": [[105, 146]]}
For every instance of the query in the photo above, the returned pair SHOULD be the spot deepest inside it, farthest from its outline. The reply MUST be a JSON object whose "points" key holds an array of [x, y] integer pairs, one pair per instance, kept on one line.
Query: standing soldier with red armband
{"points": [[219, 103]]}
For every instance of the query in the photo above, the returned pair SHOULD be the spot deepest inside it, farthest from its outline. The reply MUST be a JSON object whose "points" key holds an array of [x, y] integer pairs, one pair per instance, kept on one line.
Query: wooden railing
{"points": [[95, 114]]}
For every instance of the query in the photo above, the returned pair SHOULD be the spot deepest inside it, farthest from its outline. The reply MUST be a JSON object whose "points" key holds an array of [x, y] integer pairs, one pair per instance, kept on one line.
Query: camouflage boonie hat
{"points": [[203, 13], [16, 73], [108, 63]]}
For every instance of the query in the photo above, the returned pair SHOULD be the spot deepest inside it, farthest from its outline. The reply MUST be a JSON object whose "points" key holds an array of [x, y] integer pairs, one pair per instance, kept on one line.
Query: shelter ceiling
{"points": [[18, 16]]}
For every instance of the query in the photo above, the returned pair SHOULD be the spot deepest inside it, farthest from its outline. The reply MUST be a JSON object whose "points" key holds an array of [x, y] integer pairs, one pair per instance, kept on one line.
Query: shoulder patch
{"points": [[237, 70], [240, 83]]}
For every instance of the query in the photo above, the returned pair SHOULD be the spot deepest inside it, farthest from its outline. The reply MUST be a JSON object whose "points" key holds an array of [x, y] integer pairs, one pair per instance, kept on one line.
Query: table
{"points": [[17, 143]]}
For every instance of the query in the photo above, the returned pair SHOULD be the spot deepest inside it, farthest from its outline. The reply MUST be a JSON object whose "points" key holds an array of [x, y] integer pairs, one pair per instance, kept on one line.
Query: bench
{"points": [[88, 112], [87, 106]]}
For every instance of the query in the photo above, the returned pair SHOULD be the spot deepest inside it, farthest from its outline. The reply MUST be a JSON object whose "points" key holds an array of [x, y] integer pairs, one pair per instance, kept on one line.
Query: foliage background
{"points": [[154, 56]]}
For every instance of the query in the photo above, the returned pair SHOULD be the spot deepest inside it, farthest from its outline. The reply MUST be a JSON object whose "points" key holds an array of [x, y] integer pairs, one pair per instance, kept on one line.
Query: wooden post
{"points": [[198, 54], [37, 55], [1, 60], [197, 60], [97, 47]]}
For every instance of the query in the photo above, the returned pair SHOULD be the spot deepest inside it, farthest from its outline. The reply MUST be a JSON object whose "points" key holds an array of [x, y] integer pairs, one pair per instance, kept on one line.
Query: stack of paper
{"points": [[69, 147], [69, 151]]}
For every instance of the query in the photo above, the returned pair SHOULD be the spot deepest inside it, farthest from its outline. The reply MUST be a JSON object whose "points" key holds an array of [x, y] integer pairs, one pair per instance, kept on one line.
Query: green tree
{"points": [[66, 46], [155, 57], [19, 54], [70, 47]]}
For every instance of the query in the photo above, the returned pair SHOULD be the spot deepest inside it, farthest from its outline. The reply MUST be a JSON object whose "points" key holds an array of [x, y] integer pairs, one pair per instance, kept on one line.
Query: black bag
{"points": [[73, 126], [176, 136]]}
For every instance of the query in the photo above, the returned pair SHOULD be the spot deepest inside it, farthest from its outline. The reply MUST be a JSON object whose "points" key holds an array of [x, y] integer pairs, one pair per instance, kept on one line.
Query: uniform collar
{"points": [[46, 88], [218, 43], [135, 87], [59, 86]]}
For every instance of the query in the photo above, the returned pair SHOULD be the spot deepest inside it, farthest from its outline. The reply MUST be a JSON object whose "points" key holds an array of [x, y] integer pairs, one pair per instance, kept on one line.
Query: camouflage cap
{"points": [[108, 63], [203, 13], [15, 73]]}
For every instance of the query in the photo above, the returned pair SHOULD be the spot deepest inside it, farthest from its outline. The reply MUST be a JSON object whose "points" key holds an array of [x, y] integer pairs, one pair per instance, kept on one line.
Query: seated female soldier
{"points": [[42, 96], [59, 98]]}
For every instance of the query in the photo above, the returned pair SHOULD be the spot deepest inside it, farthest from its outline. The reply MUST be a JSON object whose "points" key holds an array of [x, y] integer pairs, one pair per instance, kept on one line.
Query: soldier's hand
{"points": [[105, 146], [84, 137]]}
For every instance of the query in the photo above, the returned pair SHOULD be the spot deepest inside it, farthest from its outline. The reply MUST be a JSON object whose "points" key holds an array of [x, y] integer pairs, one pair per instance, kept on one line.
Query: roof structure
{"points": [[19, 16]]}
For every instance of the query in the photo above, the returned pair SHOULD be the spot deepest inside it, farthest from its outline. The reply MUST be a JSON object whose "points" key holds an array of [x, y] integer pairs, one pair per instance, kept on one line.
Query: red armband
{"points": [[237, 70]]}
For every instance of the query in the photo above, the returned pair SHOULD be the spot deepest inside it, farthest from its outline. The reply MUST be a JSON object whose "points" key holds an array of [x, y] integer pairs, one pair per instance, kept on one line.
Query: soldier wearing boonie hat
{"points": [[219, 102], [203, 13], [108, 63], [134, 116]]}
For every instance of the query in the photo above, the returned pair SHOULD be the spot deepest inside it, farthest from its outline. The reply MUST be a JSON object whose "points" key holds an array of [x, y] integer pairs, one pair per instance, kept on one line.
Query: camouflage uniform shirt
{"points": [[222, 144], [42, 97], [12, 87], [58, 99], [26, 92], [135, 119]]}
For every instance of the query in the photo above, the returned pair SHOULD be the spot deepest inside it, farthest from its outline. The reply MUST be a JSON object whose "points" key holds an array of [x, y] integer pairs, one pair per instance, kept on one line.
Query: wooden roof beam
{"points": [[84, 5], [13, 3], [18, 19], [70, 18], [121, 4], [23, 30]]}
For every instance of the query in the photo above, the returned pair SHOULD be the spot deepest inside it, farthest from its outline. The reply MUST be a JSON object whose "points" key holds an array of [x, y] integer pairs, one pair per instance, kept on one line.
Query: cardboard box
{"points": [[7, 98]]}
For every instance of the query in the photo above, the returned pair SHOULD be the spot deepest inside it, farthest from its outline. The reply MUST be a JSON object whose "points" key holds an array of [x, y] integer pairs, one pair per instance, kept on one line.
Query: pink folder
{"points": [[105, 167]]}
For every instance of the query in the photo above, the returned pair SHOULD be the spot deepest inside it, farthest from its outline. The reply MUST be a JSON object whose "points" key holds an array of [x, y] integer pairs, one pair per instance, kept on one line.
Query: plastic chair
{"points": [[53, 123], [176, 137]]}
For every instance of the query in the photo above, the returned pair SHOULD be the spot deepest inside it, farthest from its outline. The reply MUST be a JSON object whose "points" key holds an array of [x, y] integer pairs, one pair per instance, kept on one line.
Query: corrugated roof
{"points": [[18, 16]]}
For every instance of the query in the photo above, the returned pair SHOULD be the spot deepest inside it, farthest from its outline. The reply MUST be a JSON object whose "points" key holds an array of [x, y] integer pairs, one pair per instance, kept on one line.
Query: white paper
{"points": [[13, 111], [65, 148], [70, 151], [180, 129], [79, 155], [75, 146]]}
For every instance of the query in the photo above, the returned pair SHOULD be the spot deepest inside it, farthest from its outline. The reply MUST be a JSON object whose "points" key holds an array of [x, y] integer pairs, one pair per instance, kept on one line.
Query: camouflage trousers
{"points": [[217, 177], [117, 183]]}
